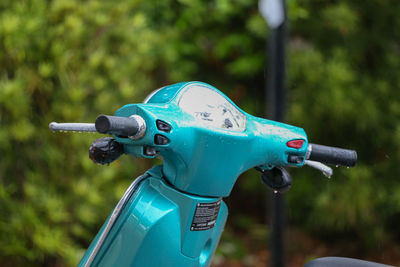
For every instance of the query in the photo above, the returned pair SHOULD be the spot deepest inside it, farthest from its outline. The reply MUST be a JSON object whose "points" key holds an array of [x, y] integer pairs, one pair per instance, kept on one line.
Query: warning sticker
{"points": [[205, 216]]}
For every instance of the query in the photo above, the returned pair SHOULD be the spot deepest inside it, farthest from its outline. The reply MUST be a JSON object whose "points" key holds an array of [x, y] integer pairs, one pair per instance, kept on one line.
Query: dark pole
{"points": [[275, 85], [276, 106]]}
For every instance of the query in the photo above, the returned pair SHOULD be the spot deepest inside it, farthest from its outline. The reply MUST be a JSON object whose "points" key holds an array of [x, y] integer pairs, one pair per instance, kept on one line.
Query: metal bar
{"points": [[276, 107], [72, 127]]}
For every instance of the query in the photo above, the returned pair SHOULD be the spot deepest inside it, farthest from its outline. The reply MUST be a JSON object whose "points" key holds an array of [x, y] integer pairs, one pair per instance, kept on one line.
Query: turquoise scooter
{"points": [[174, 215]]}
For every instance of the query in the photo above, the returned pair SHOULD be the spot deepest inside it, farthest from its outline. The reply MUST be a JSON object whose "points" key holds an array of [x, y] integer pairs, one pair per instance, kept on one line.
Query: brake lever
{"points": [[326, 170], [72, 127]]}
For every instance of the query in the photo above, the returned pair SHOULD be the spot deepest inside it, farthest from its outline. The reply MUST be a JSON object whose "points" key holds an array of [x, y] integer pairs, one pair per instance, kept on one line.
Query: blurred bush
{"points": [[70, 60], [344, 84]]}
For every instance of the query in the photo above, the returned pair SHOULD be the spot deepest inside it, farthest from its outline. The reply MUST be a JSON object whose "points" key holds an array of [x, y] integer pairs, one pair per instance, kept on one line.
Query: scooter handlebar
{"points": [[332, 155], [122, 126]]}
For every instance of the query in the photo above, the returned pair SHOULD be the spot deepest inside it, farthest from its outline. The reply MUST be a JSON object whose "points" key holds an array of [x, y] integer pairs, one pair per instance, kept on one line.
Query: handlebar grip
{"points": [[122, 126], [333, 155]]}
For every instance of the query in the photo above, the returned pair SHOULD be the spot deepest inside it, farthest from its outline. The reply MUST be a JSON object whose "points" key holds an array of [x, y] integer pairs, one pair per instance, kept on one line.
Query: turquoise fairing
{"points": [[206, 160], [154, 229], [165, 94]]}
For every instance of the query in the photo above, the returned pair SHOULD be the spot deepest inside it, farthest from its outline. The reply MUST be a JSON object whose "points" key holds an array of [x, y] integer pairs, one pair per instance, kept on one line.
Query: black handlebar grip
{"points": [[333, 155], [122, 126]]}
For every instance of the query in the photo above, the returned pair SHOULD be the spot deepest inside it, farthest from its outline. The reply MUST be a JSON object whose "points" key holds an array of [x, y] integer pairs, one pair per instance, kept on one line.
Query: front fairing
{"points": [[203, 159]]}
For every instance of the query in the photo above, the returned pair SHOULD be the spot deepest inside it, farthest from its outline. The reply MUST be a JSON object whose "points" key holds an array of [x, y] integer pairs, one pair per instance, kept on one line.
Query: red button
{"points": [[298, 143]]}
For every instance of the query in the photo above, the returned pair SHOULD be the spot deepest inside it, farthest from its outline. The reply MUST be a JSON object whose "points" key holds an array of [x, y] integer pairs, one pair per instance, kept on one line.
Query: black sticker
{"points": [[205, 216]]}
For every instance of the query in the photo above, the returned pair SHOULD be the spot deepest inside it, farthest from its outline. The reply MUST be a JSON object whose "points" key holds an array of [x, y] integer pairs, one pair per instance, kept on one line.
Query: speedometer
{"points": [[211, 108]]}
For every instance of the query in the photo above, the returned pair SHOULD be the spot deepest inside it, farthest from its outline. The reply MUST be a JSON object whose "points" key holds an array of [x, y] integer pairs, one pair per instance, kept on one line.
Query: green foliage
{"points": [[64, 61], [345, 92], [70, 60]]}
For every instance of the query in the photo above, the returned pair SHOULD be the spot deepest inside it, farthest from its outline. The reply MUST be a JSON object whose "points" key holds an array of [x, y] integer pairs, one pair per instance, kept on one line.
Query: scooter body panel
{"points": [[156, 228]]}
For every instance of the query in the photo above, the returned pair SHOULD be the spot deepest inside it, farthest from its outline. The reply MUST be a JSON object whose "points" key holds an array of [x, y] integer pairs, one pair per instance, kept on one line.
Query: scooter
{"points": [[174, 214]]}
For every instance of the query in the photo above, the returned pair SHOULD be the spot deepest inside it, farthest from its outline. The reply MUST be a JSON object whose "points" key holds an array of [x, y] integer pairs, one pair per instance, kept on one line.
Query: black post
{"points": [[276, 106], [275, 86]]}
